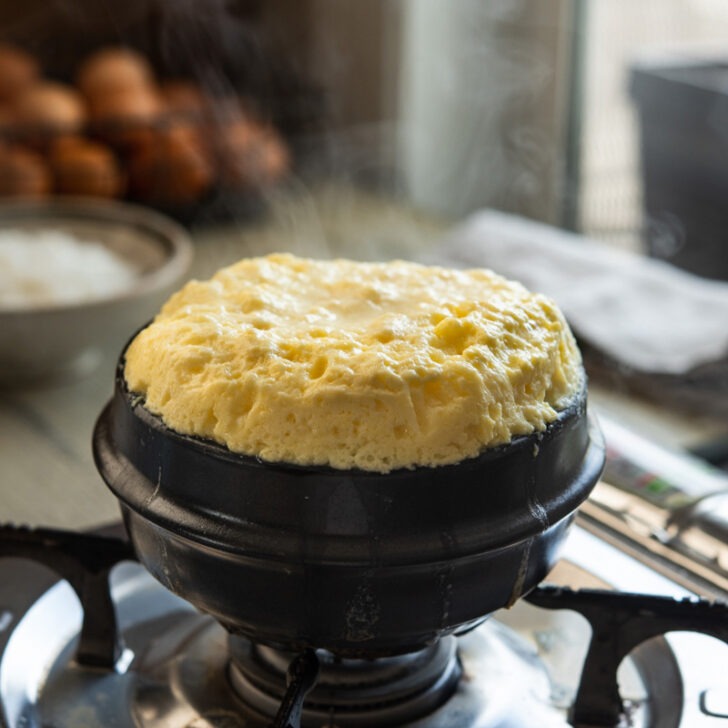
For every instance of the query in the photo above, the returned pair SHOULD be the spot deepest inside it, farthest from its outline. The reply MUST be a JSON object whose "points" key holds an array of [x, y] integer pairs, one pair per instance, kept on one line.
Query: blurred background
{"points": [[581, 147]]}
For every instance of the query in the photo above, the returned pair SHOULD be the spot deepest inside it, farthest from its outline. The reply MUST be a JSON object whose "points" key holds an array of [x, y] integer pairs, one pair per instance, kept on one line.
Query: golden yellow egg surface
{"points": [[375, 366]]}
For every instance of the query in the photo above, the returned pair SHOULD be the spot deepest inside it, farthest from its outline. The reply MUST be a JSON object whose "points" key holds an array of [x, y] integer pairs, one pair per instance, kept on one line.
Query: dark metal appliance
{"points": [[361, 564], [316, 598], [136, 655]]}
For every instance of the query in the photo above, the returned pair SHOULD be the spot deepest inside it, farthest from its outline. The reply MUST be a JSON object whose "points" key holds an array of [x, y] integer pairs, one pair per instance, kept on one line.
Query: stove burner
{"points": [[179, 675], [390, 691], [181, 668]]}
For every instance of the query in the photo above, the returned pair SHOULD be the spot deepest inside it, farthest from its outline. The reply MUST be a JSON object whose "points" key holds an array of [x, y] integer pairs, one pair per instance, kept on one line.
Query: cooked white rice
{"points": [[48, 267]]}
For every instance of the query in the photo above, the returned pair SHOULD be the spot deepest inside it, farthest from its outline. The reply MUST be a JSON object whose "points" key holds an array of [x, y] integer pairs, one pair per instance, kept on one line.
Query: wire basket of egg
{"points": [[118, 131]]}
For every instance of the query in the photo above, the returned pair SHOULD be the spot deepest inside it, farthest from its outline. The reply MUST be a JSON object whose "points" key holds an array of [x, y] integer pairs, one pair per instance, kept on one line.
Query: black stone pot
{"points": [[359, 563]]}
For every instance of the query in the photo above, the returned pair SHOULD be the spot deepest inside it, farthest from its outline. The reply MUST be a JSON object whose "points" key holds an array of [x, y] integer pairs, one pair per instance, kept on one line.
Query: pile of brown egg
{"points": [[119, 131]]}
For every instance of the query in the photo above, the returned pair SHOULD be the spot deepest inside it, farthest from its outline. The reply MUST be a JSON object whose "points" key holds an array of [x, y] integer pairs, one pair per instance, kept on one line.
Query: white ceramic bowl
{"points": [[39, 343]]}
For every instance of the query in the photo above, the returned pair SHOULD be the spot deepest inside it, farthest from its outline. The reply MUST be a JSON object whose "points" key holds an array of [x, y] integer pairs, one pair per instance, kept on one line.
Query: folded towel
{"points": [[640, 312]]}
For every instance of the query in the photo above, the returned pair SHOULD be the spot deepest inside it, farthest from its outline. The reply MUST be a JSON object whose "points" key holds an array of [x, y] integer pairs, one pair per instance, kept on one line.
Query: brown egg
{"points": [[251, 155], [174, 170], [8, 122], [274, 158], [82, 167], [67, 144], [49, 108], [183, 97], [113, 70], [127, 105], [182, 132], [23, 174], [18, 70], [124, 117]]}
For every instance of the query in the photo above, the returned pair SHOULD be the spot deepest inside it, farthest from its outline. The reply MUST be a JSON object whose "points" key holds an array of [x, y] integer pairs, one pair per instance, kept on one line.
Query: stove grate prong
{"points": [[84, 561], [620, 622]]}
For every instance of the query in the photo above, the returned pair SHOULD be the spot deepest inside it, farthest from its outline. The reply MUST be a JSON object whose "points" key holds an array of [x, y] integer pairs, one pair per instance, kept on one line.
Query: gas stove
{"points": [[147, 658]]}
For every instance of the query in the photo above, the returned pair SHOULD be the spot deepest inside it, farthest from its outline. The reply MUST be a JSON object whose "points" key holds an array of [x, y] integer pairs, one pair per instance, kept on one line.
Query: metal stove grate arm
{"points": [[620, 622], [85, 561]]}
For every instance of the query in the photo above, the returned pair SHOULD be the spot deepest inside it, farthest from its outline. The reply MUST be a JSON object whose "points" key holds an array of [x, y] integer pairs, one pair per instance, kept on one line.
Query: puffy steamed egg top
{"points": [[374, 366]]}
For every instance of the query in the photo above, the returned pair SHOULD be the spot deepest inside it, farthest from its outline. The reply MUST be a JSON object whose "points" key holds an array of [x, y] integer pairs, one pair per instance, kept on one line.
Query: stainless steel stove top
{"points": [[519, 669]]}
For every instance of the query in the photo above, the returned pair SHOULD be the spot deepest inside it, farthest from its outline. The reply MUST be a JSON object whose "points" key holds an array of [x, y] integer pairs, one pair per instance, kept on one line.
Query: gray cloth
{"points": [[639, 312]]}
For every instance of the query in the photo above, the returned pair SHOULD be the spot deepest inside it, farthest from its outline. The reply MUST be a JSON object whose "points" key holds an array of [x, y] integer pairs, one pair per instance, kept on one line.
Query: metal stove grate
{"points": [[619, 621]]}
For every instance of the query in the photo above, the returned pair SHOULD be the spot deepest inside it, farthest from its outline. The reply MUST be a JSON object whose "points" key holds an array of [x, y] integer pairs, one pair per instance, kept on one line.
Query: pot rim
{"points": [[201, 514]]}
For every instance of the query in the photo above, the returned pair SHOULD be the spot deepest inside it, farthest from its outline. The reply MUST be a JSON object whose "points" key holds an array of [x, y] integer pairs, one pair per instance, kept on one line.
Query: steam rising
{"points": [[448, 107], [477, 97]]}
